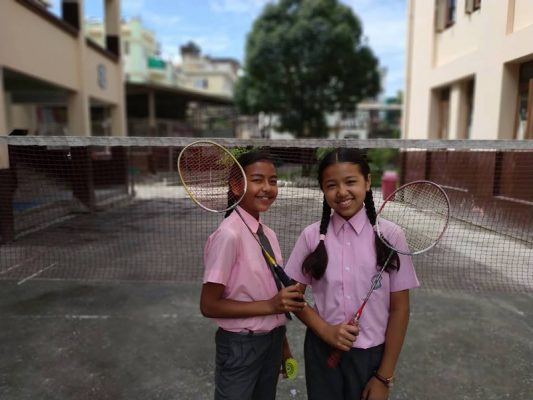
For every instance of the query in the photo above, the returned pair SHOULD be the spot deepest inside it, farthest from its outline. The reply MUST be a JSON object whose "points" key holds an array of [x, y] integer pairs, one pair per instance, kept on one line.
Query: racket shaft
{"points": [[334, 358], [280, 273], [336, 355]]}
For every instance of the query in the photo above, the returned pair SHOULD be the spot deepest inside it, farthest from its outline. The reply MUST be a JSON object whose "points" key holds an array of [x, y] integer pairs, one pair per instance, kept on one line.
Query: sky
{"points": [[220, 27]]}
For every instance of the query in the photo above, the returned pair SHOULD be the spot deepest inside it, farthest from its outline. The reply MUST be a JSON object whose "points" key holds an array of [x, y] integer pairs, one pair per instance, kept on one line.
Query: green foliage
{"points": [[237, 151], [305, 58], [381, 160], [322, 152]]}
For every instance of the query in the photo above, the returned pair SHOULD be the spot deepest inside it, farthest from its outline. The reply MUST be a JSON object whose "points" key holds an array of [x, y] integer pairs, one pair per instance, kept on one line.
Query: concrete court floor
{"points": [[137, 341]]}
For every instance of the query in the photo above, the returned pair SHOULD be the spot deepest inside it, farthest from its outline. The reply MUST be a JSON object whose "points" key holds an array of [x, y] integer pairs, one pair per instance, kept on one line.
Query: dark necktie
{"points": [[266, 244]]}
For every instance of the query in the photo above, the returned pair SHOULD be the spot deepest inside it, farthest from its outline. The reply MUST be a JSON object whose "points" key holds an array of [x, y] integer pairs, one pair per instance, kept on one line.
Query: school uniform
{"points": [[248, 350], [338, 294]]}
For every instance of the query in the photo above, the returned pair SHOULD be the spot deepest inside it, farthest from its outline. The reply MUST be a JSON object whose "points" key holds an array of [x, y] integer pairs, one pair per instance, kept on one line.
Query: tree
{"points": [[305, 58]]}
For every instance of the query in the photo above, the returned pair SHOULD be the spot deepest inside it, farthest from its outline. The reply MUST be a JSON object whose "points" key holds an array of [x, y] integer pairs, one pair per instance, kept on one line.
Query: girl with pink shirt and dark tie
{"points": [[240, 291], [338, 256]]}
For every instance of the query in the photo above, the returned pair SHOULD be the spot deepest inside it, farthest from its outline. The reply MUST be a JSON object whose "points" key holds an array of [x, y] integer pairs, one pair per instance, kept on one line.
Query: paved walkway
{"points": [[141, 341]]}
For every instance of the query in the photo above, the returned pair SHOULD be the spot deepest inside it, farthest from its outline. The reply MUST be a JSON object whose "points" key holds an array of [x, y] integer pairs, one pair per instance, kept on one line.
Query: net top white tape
{"points": [[78, 141]]}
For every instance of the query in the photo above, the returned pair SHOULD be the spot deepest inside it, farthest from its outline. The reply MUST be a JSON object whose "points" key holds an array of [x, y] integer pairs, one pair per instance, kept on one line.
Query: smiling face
{"points": [[345, 187], [262, 187]]}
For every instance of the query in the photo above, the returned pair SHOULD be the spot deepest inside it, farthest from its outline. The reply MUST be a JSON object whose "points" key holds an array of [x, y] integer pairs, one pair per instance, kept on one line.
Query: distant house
{"points": [[211, 74], [169, 99]]}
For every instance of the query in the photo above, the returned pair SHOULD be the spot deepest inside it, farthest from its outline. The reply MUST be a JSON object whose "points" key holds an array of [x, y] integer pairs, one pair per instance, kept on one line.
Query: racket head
{"points": [[414, 217], [205, 169]]}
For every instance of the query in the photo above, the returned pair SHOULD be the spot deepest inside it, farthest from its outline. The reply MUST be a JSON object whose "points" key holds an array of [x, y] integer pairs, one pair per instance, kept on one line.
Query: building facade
{"points": [[210, 74], [469, 70], [142, 61], [168, 99], [55, 81]]}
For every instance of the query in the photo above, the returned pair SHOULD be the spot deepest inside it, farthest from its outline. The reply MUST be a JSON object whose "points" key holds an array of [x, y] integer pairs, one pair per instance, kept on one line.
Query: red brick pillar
{"points": [[82, 176], [7, 191]]}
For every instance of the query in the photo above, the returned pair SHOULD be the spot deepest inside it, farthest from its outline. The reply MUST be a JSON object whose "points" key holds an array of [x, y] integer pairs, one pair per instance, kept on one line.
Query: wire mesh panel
{"points": [[114, 209]]}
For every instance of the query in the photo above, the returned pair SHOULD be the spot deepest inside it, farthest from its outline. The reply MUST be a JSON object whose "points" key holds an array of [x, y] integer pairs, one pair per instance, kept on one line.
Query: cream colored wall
{"points": [[523, 14], [418, 94], [46, 52], [23, 117], [478, 45], [36, 47], [217, 84], [461, 39], [113, 89]]}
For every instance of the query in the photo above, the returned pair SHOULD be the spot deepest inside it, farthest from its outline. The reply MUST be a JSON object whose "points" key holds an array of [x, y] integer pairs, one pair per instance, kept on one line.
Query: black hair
{"points": [[244, 160], [316, 263]]}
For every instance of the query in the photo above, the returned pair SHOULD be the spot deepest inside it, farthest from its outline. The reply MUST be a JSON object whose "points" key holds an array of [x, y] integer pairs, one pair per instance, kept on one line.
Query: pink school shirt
{"points": [[234, 259], [347, 280]]}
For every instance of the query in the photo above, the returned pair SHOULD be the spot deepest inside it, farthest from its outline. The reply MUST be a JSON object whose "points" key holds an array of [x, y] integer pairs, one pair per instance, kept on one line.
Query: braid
{"points": [[316, 263], [231, 202], [370, 207], [382, 251], [326, 214]]}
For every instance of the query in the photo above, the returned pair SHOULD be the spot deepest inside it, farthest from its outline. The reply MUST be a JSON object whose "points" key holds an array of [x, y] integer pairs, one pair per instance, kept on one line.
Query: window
{"points": [[444, 113], [472, 5], [444, 14], [126, 47], [201, 83], [524, 118], [470, 90]]}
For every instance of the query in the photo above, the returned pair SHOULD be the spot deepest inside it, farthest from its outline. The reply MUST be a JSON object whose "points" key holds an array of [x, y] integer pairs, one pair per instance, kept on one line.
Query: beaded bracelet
{"points": [[386, 381]]}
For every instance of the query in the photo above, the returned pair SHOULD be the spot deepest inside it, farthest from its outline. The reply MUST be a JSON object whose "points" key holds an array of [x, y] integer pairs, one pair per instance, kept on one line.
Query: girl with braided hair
{"points": [[339, 256], [241, 294]]}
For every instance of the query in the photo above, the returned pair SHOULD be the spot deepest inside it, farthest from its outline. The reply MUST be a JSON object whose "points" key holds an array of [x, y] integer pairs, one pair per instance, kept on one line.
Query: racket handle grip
{"points": [[283, 277], [334, 358], [336, 355]]}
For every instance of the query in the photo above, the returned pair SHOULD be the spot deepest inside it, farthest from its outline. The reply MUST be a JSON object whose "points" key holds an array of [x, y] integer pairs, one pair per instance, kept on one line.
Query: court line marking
{"points": [[85, 316], [18, 265], [37, 273]]}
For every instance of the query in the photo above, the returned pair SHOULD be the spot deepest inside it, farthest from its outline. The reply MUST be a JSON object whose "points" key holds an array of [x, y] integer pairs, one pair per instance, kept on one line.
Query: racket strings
{"points": [[206, 170], [419, 215]]}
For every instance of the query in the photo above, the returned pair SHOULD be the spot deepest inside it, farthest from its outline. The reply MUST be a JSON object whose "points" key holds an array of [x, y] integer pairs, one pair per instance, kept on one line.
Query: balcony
{"points": [[157, 67]]}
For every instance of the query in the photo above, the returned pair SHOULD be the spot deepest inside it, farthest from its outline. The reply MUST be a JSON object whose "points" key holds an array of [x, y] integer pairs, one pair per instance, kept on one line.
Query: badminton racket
{"points": [[410, 221], [205, 169]]}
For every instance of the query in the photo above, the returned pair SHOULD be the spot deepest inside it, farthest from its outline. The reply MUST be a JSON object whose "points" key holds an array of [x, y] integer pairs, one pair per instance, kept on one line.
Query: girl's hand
{"points": [[341, 336], [375, 390], [287, 299]]}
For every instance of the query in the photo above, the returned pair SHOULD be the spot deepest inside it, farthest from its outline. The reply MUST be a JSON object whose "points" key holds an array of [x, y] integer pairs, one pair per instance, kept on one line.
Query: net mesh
{"points": [[114, 208]]}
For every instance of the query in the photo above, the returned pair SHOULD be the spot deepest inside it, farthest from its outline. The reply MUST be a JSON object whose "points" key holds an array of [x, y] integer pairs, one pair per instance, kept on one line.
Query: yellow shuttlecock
{"points": [[291, 368]]}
